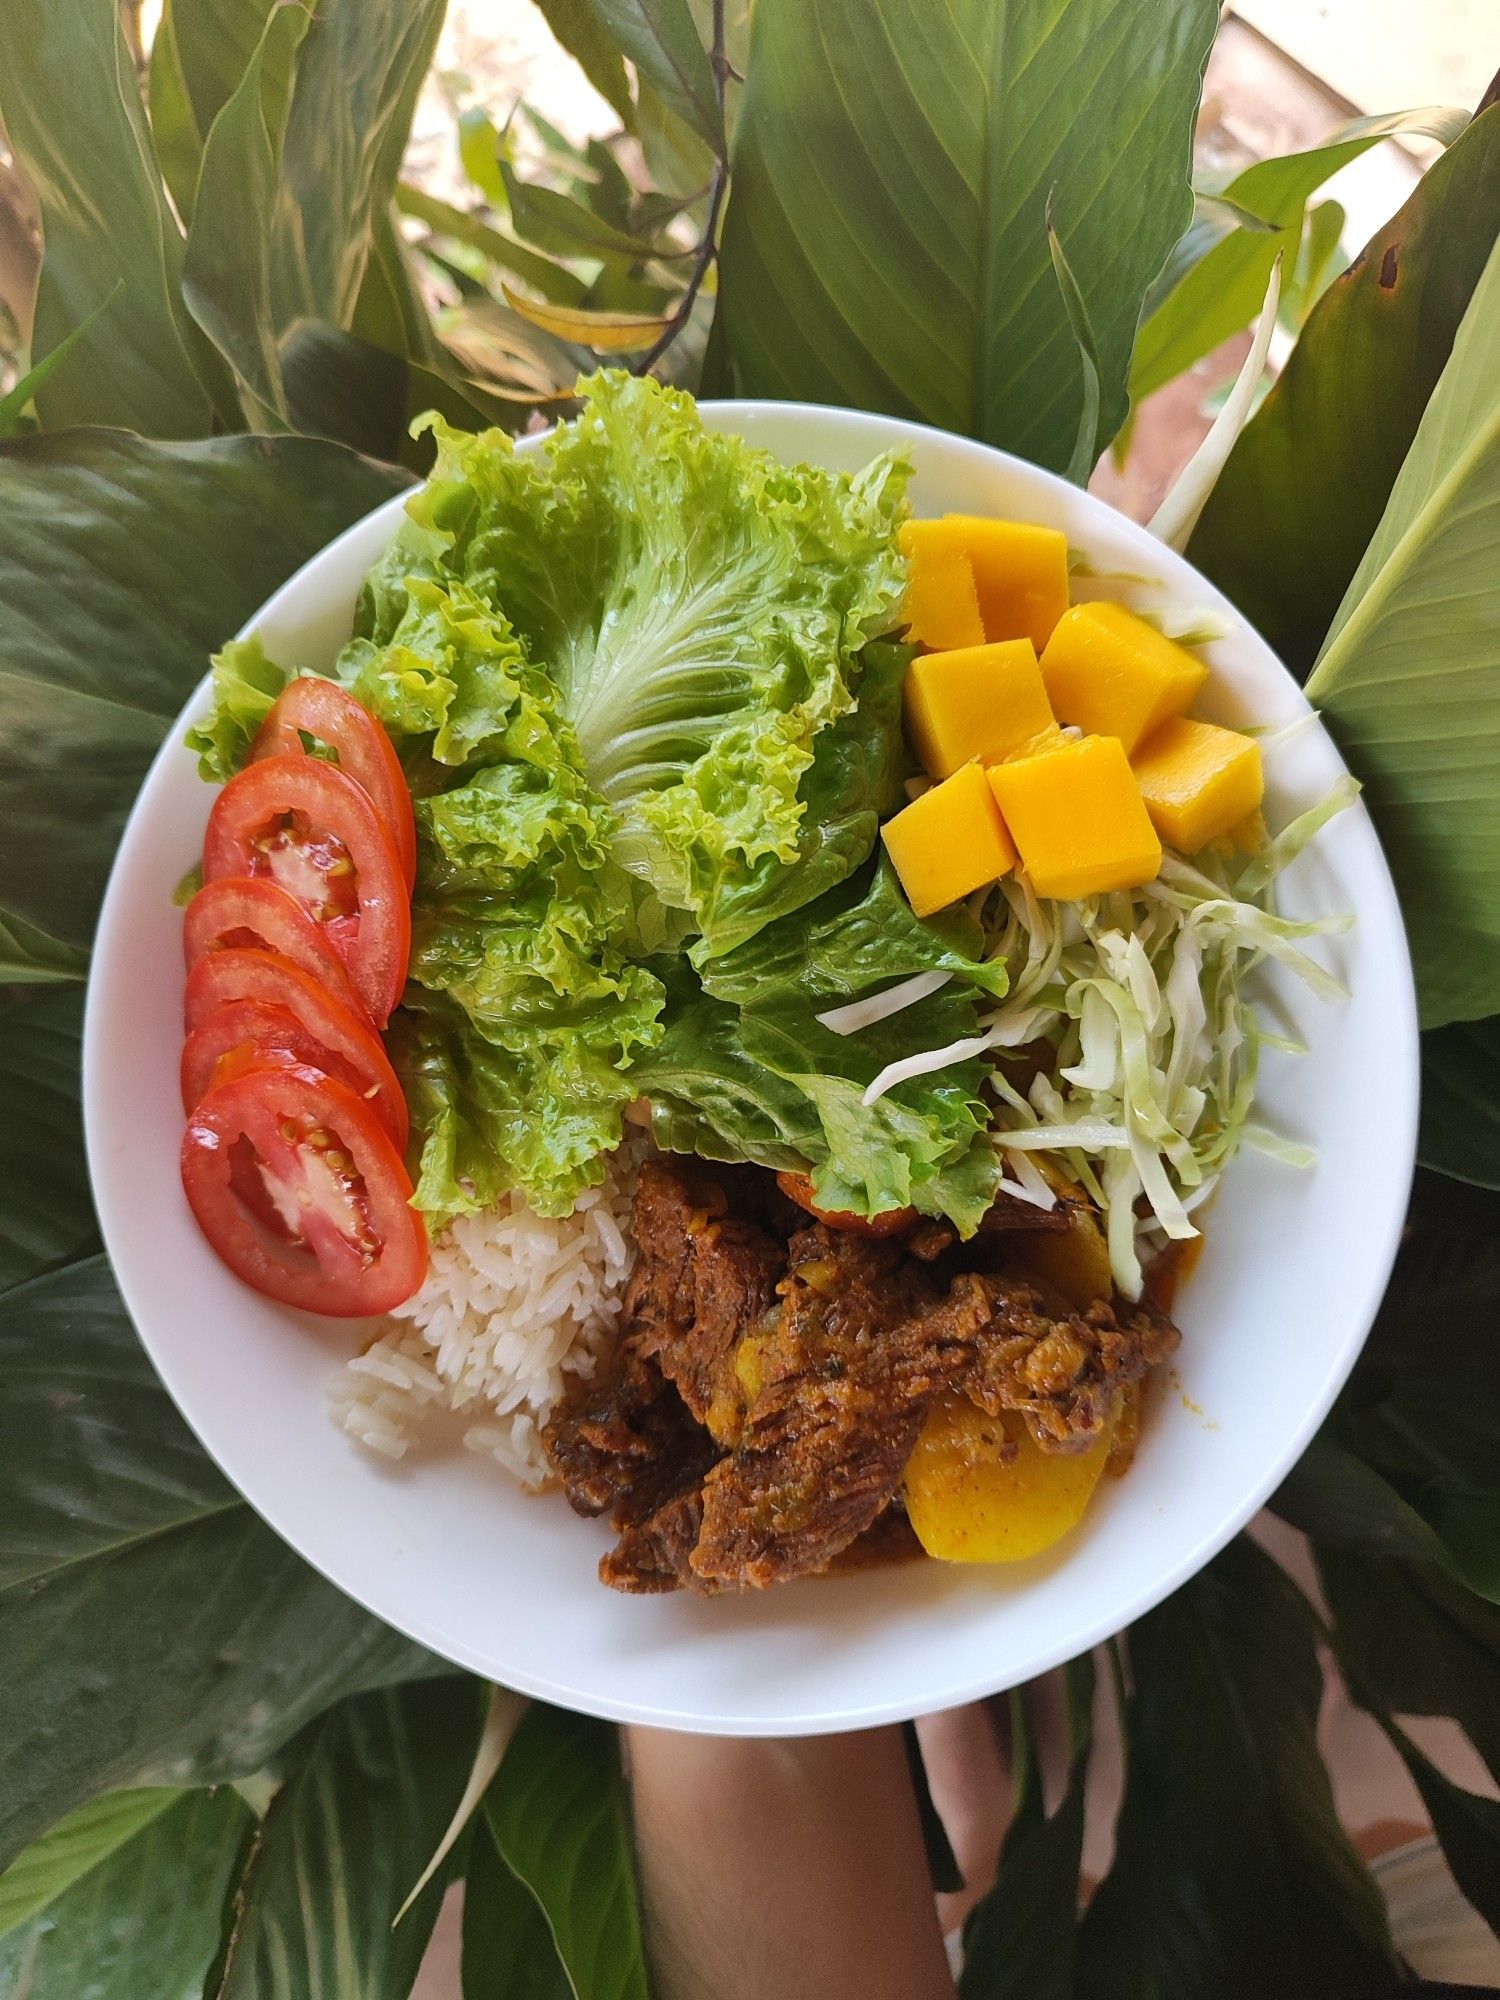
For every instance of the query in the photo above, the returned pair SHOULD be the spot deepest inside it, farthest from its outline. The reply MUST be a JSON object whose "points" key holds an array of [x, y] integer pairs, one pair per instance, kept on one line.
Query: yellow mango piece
{"points": [[981, 1490], [1198, 781], [1020, 570], [1110, 673], [1077, 819], [983, 702], [941, 606], [949, 842]]}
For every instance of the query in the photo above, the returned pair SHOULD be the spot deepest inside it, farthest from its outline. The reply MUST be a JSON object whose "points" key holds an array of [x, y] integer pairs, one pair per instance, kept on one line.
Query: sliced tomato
{"points": [[242, 1033], [253, 911], [298, 1188], [310, 706], [225, 977], [316, 833], [799, 1188]]}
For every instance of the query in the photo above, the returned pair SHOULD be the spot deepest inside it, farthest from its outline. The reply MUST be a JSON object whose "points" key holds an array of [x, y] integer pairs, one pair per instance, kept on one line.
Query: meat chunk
{"points": [[702, 1279], [756, 1418]]}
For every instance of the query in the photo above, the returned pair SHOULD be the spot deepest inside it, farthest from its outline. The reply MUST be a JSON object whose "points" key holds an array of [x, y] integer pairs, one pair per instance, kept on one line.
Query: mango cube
{"points": [[1198, 781], [949, 842], [941, 607], [1020, 570], [984, 702], [1076, 817], [1112, 674]]}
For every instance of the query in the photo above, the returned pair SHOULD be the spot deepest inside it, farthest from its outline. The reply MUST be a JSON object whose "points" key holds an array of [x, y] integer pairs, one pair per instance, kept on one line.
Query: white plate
{"points": [[449, 1552]]}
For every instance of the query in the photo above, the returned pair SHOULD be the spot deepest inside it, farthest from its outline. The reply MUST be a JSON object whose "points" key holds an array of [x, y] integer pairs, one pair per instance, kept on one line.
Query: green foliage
{"points": [[152, 1629], [122, 566], [1220, 292], [1020, 1942], [1228, 1809], [46, 1214], [144, 1921], [1461, 1101], [374, 1783], [1290, 518], [560, 1820], [1417, 641], [886, 243], [77, 1844]]}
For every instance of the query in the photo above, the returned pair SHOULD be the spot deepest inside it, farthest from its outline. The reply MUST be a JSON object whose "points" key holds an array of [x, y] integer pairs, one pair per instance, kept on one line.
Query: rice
{"points": [[514, 1304]]}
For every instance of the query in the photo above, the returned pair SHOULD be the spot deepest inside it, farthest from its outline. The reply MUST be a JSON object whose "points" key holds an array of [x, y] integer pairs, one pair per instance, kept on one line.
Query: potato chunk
{"points": [[980, 1490]]}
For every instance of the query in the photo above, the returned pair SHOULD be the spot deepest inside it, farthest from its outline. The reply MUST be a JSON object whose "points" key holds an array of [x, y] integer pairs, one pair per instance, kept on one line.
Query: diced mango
{"points": [[949, 842], [982, 702], [1198, 781], [941, 606], [1077, 819], [980, 1489], [1110, 673], [1020, 570]]}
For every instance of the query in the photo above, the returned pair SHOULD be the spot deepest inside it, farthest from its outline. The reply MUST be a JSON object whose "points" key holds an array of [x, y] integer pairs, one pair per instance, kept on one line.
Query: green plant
{"points": [[953, 216]]}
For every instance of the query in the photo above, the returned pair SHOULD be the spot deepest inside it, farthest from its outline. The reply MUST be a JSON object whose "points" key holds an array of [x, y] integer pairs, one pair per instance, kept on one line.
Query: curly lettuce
{"points": [[702, 611]]}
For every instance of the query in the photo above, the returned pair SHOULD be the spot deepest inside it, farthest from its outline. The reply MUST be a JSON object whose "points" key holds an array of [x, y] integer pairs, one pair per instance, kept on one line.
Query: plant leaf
{"points": [[555, 222], [503, 1710], [1019, 1943], [1460, 1133], [561, 1821], [886, 244], [14, 404], [508, 1953], [46, 1214], [1284, 529], [553, 281], [661, 38], [374, 1784], [145, 1921], [1413, 1641], [174, 127], [73, 114], [29, 957], [1174, 519], [50, 1866], [1230, 1864], [226, 279], [1409, 677], [215, 40], [1086, 444], [152, 1629], [1467, 1827], [1335, 1496], [1221, 293], [123, 565], [606, 332], [579, 28]]}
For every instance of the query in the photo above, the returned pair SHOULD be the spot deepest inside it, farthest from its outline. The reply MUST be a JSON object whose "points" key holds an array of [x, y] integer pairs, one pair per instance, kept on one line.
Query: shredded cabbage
{"points": [[1153, 1048]]}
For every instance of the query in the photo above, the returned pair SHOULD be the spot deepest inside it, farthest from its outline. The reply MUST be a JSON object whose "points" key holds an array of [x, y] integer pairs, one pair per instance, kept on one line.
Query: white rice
{"points": [[514, 1303]]}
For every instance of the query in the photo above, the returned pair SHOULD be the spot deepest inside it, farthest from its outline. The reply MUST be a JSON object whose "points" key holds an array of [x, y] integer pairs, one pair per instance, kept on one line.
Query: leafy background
{"points": [[229, 306]]}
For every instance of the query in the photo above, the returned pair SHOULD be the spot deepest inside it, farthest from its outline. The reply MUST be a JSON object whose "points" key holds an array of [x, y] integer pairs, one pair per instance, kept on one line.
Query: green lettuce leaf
{"points": [[745, 1070], [245, 683], [702, 610]]}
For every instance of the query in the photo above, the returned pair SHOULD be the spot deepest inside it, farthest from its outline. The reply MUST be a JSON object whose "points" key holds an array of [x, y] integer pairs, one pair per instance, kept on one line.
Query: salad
{"points": [[750, 980]]}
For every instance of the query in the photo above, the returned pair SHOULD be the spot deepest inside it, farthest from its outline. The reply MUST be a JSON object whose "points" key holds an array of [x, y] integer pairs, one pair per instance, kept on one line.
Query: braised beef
{"points": [[756, 1417]]}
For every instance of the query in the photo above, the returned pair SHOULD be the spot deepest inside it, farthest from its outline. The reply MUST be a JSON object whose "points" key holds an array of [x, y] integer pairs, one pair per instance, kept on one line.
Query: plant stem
{"points": [[708, 245]]}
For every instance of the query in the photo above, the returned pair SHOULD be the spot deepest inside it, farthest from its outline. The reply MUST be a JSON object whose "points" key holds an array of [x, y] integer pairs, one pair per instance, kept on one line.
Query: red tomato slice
{"points": [[316, 833], [296, 1185], [799, 1188], [310, 706], [243, 1033], [251, 911], [270, 980]]}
